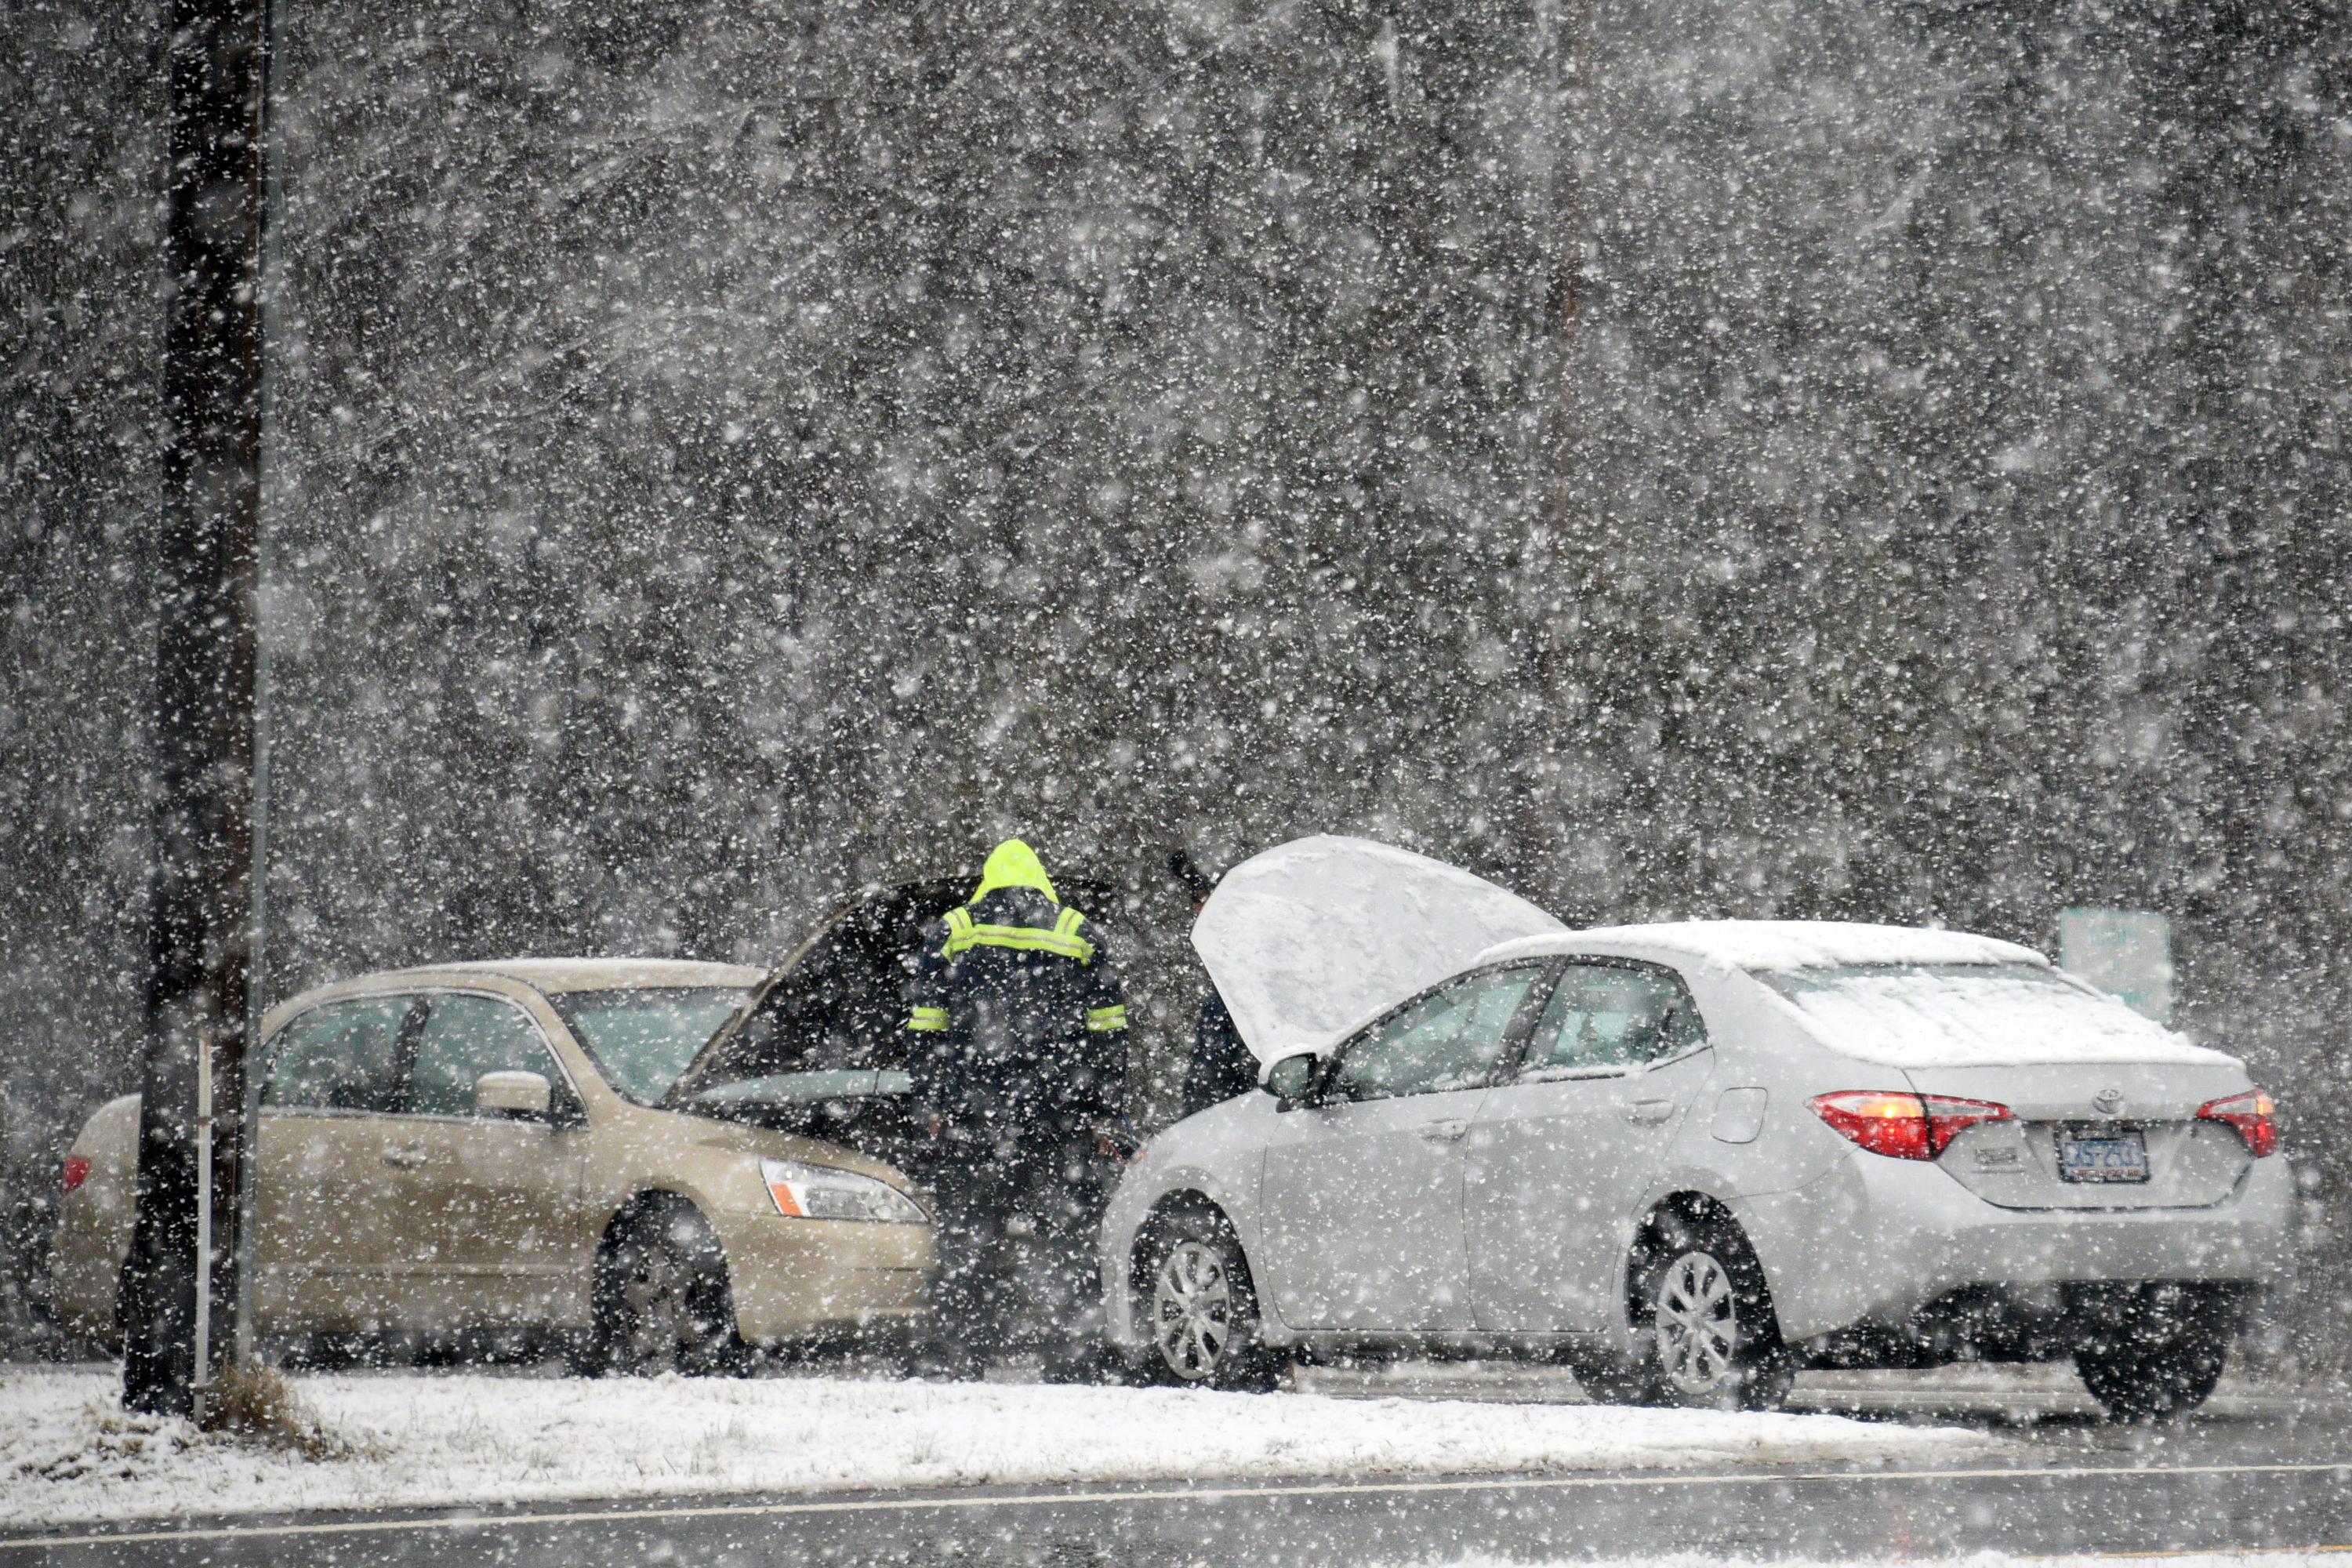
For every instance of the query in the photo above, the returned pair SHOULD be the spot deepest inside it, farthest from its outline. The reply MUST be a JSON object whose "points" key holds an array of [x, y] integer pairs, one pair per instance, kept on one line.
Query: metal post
{"points": [[200, 911]]}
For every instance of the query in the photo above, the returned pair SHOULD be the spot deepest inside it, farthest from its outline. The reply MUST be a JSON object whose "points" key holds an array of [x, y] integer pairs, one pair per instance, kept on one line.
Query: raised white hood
{"points": [[1311, 939]]}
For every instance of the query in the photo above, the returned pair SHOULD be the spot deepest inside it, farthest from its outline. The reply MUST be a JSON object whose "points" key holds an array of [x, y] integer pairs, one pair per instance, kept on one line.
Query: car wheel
{"points": [[662, 1302], [2153, 1365], [1199, 1306], [1705, 1324]]}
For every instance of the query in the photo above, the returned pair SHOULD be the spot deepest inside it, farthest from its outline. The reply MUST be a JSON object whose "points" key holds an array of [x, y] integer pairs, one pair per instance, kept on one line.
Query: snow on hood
{"points": [[1310, 939]]}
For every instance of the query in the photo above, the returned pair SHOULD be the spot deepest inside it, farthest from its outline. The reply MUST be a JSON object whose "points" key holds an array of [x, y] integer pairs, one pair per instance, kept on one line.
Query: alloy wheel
{"points": [[1699, 1332], [1192, 1310], [654, 1293]]}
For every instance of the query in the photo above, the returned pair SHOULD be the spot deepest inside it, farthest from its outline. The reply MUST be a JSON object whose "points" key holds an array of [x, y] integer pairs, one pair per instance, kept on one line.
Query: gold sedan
{"points": [[488, 1147]]}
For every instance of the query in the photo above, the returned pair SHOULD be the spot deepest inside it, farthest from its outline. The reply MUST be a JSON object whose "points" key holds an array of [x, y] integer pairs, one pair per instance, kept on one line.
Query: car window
{"points": [[344, 1056], [462, 1039], [1609, 1017], [1449, 1040]]}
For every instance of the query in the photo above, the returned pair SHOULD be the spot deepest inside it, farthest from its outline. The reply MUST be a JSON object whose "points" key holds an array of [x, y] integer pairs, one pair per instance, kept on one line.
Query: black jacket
{"points": [[1017, 1020], [1222, 1067]]}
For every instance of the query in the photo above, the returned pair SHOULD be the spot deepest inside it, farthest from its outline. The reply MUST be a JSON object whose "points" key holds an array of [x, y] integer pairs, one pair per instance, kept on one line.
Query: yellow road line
{"points": [[476, 1520]]}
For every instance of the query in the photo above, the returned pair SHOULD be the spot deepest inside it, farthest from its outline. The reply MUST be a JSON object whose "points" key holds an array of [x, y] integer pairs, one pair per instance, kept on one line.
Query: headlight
{"points": [[822, 1192]]}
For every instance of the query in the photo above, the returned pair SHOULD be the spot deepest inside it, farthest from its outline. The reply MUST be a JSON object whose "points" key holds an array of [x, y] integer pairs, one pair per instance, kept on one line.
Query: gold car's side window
{"points": [[344, 1056], [462, 1039]]}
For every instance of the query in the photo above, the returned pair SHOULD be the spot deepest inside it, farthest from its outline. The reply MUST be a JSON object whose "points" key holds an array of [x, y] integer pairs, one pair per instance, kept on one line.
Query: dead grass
{"points": [[256, 1404]]}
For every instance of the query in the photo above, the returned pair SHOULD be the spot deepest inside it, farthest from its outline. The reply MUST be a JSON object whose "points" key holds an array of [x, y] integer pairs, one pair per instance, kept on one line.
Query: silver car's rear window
{"points": [[1962, 1015], [642, 1039]]}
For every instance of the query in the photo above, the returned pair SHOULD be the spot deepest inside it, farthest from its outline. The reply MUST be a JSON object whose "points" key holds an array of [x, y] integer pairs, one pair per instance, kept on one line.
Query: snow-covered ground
{"points": [[67, 1453], [2265, 1559]]}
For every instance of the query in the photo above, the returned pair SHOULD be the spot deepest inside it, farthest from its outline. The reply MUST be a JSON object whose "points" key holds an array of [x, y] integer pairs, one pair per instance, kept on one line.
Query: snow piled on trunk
{"points": [[67, 1453], [1957, 1016]]}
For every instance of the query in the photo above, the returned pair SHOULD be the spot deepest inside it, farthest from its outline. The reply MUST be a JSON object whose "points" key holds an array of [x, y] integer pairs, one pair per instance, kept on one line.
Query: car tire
{"points": [[1609, 1383], [1704, 1325], [2153, 1365], [662, 1303], [1197, 1306], [1096, 1365]]}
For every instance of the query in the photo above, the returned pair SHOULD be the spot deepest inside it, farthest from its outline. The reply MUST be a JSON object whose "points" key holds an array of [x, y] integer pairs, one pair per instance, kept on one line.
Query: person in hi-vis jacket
{"points": [[1017, 1038]]}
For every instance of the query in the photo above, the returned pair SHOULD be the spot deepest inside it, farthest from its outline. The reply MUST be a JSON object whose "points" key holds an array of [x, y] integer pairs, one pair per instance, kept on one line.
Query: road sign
{"points": [[2127, 952]]}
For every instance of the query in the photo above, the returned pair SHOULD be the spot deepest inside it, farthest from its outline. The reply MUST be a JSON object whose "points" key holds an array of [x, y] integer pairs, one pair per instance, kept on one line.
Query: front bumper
{"points": [[1123, 1220], [1875, 1239], [802, 1278]]}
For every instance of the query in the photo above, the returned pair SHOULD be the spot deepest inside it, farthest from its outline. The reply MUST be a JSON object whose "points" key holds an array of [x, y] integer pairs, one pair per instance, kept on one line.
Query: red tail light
{"points": [[1903, 1126], [77, 1172], [2253, 1114]]}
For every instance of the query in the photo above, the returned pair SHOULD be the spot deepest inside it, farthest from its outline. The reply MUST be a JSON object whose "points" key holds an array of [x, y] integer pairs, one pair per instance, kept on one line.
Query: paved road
{"points": [[2258, 1473]]}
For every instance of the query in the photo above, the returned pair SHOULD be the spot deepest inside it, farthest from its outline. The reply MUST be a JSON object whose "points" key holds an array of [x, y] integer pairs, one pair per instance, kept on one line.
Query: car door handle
{"points": [[1445, 1131], [403, 1159], [1649, 1112]]}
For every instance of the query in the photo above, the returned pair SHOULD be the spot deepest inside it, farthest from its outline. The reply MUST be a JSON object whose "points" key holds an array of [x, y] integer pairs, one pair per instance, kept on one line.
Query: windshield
{"points": [[642, 1039], [1960, 1014]]}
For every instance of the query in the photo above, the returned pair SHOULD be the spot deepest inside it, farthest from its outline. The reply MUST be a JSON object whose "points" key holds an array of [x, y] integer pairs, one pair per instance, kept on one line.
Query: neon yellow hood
{"points": [[1013, 864]]}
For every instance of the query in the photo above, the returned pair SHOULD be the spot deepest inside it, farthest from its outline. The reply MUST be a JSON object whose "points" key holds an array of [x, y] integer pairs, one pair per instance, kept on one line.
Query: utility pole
{"points": [[192, 1137], [1561, 51]]}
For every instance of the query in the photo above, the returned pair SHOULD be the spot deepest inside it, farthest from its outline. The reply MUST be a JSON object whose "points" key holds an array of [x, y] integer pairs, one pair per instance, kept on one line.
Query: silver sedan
{"points": [[1687, 1159]]}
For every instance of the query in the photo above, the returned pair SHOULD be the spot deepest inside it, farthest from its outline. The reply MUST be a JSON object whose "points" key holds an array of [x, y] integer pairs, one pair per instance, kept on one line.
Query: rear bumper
{"points": [[795, 1280], [92, 1237], [1876, 1239]]}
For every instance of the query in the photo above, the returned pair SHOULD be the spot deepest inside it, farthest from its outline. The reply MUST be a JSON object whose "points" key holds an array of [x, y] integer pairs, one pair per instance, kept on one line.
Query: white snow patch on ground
{"points": [[69, 1454]]}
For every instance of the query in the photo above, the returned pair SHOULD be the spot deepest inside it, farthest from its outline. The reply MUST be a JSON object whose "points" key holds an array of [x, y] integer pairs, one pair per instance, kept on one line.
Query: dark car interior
{"points": [[820, 1049]]}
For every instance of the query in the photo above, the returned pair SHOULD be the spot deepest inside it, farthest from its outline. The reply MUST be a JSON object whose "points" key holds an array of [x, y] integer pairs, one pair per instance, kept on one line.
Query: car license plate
{"points": [[2115, 1156]]}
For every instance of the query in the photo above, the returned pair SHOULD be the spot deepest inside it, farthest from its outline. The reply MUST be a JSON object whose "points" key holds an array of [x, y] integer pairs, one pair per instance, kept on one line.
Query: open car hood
{"points": [[832, 1010], [1311, 939]]}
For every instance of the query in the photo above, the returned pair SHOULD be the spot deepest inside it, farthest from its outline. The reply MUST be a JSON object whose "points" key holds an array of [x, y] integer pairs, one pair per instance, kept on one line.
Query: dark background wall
{"points": [[1852, 457]]}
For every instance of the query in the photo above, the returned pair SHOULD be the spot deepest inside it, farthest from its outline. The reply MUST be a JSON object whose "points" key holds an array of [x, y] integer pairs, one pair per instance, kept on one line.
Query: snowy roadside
{"points": [[68, 1454], [2323, 1557]]}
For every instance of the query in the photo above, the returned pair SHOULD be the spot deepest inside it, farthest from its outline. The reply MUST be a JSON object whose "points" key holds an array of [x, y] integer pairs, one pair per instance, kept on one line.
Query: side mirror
{"points": [[1290, 1079], [528, 1095]]}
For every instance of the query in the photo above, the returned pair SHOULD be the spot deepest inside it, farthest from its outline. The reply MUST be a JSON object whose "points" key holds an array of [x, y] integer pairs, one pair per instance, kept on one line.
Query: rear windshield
{"points": [[642, 1039], [1963, 1015]]}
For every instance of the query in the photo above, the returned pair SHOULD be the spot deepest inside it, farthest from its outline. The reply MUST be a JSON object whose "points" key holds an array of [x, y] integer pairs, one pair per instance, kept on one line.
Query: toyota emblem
{"points": [[2106, 1100]]}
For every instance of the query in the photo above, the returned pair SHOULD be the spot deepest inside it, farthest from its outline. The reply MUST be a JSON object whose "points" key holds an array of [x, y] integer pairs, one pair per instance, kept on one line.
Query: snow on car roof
{"points": [[1782, 944], [1944, 1001], [599, 974]]}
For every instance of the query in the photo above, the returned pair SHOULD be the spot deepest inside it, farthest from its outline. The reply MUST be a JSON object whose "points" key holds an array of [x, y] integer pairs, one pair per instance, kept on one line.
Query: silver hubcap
{"points": [[1192, 1310], [1698, 1325], [660, 1325]]}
